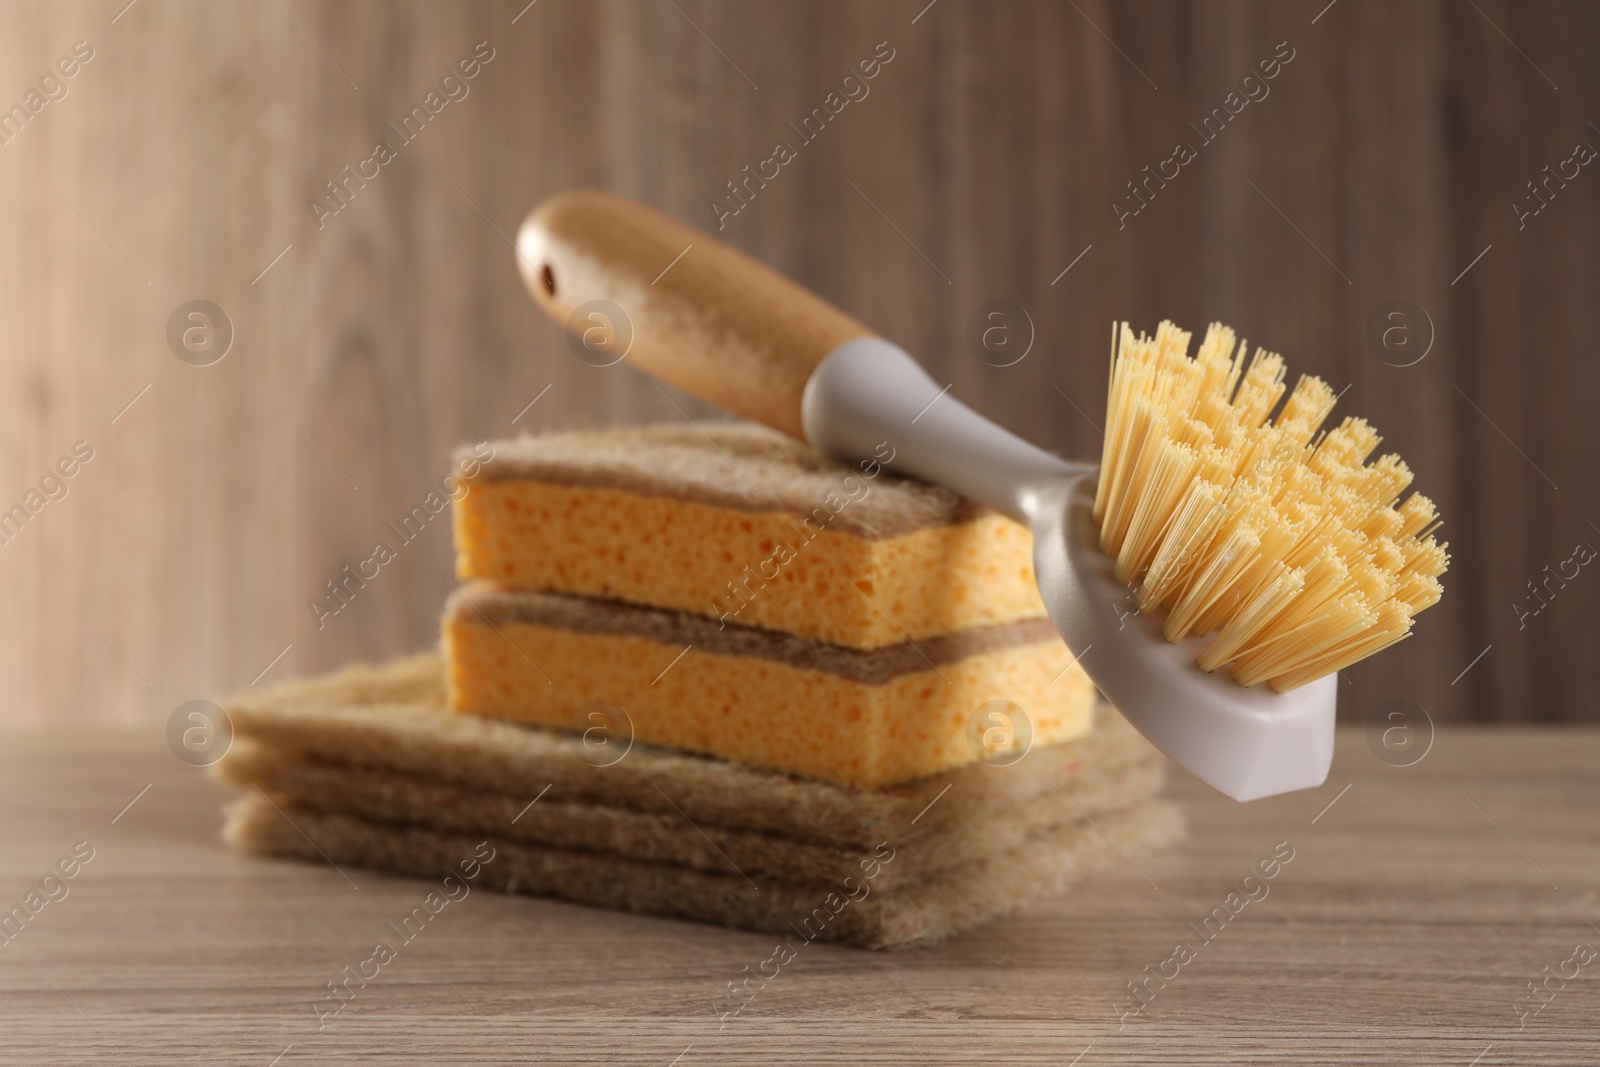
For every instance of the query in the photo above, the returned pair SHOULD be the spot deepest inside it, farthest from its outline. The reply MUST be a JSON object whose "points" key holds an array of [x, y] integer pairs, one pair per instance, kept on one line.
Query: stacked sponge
{"points": [[367, 767], [737, 595], [707, 673]]}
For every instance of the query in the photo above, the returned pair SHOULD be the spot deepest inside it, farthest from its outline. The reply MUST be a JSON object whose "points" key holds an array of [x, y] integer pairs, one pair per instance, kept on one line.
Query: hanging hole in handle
{"points": [[549, 277]]}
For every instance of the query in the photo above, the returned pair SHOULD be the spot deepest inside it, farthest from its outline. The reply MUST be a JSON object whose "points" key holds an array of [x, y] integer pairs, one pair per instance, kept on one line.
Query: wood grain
{"points": [[981, 165], [1404, 930]]}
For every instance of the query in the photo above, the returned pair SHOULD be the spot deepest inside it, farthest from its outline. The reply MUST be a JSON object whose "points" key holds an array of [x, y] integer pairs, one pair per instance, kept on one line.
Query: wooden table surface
{"points": [[1419, 905]]}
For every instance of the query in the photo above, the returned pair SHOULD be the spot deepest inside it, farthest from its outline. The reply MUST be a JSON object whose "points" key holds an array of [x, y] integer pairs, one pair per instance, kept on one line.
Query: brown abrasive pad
{"points": [[734, 465], [382, 796], [497, 607], [843, 906]]}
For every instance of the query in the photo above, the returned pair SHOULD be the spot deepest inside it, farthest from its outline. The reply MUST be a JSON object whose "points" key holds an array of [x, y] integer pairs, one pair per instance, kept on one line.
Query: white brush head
{"points": [[1247, 743]]}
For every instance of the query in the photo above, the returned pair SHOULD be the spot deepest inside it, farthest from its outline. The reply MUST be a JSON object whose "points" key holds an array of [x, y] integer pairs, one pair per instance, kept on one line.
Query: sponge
{"points": [[745, 525], [791, 704]]}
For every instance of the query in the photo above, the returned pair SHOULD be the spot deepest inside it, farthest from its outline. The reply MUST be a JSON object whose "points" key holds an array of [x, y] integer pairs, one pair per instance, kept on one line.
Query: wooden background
{"points": [[1384, 162]]}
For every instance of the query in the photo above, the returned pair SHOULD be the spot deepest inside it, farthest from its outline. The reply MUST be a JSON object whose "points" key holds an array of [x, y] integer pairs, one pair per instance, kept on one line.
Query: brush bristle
{"points": [[1273, 533]]}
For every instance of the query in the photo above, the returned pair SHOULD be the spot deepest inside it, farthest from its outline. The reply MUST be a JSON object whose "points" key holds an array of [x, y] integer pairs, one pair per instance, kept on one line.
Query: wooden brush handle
{"points": [[709, 320]]}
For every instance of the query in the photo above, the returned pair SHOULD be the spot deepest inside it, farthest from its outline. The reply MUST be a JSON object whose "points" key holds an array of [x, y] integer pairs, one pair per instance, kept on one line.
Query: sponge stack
{"points": [[369, 768], [735, 594], [831, 705]]}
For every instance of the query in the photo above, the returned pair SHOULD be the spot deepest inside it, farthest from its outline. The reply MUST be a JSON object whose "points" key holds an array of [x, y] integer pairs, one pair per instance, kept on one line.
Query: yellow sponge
{"points": [[742, 524], [854, 717]]}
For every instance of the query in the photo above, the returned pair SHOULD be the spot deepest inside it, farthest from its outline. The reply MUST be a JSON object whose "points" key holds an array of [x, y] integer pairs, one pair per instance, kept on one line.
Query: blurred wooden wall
{"points": [[985, 160]]}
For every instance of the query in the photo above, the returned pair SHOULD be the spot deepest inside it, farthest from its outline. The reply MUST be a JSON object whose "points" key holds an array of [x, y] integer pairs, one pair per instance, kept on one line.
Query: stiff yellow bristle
{"points": [[1273, 532]]}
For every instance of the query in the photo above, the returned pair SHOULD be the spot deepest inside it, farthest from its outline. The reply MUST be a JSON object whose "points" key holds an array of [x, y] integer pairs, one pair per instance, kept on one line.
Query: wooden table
{"points": [[1419, 904]]}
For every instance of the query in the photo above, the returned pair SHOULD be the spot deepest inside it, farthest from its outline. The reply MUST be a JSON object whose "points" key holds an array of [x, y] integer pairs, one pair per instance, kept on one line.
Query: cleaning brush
{"points": [[1223, 528], [1272, 533]]}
